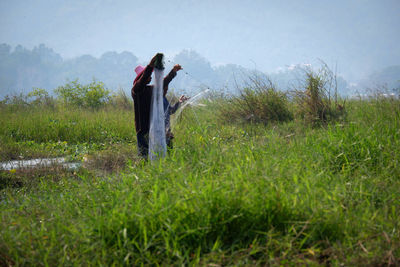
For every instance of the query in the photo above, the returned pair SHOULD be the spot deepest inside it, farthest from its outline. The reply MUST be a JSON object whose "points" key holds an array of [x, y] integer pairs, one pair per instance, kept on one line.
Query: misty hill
{"points": [[388, 77], [22, 69]]}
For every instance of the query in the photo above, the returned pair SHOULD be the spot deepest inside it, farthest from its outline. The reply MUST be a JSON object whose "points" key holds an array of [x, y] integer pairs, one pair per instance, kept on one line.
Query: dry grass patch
{"points": [[111, 160]]}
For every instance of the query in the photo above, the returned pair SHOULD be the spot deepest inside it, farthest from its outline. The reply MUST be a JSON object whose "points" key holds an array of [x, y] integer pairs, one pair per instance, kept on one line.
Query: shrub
{"points": [[315, 103], [259, 101], [121, 100], [40, 98], [92, 95], [15, 102]]}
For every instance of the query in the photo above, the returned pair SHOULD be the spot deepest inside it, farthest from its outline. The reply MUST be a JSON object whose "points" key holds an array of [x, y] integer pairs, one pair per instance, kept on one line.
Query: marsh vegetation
{"points": [[260, 178]]}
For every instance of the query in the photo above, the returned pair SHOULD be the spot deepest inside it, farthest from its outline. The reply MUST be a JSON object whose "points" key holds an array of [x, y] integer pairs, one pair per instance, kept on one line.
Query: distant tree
{"points": [[7, 70], [22, 69], [93, 95], [5, 50]]}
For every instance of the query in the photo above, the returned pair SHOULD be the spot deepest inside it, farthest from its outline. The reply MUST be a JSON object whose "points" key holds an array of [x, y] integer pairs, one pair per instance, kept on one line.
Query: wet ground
{"points": [[41, 162]]}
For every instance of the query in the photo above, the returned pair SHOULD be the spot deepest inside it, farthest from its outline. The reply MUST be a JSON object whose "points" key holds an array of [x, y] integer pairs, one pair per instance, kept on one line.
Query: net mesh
{"points": [[157, 141]]}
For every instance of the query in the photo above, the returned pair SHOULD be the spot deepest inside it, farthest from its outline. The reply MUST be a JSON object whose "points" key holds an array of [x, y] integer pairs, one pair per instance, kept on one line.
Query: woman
{"points": [[141, 94]]}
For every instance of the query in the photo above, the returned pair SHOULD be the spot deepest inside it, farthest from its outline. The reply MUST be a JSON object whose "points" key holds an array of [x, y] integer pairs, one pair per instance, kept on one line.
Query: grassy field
{"points": [[282, 193]]}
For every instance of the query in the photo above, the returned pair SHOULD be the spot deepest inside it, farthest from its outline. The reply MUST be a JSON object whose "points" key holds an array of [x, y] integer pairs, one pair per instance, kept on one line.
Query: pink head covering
{"points": [[139, 69]]}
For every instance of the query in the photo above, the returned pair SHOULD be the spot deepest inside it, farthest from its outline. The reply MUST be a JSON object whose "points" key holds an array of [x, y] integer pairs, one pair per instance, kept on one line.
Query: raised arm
{"points": [[170, 76], [141, 81], [140, 84]]}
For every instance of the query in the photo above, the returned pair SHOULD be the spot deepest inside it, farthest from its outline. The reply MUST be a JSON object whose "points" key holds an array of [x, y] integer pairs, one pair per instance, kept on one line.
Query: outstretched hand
{"points": [[177, 67], [183, 99], [153, 60]]}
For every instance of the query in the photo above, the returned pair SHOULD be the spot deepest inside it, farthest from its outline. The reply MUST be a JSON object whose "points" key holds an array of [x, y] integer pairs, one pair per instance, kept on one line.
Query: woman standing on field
{"points": [[141, 94]]}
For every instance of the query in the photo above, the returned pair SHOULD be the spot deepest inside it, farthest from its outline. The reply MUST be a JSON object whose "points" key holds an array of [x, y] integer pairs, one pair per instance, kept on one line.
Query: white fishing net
{"points": [[193, 101], [157, 142]]}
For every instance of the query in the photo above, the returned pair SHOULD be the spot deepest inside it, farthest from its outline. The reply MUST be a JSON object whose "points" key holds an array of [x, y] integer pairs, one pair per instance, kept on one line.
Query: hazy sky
{"points": [[358, 35]]}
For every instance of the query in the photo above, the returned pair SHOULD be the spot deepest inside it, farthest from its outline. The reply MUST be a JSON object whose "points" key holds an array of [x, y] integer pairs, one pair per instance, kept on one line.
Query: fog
{"points": [[358, 37]]}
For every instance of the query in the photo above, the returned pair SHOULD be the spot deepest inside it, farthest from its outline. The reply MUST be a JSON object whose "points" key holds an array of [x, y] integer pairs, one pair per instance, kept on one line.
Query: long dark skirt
{"points": [[143, 144]]}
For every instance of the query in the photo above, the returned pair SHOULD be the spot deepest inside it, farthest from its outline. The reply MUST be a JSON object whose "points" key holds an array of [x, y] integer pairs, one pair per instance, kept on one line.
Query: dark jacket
{"points": [[168, 111], [141, 94]]}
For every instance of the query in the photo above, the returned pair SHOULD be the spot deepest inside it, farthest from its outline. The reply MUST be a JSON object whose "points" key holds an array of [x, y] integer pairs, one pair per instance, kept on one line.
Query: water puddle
{"points": [[44, 162]]}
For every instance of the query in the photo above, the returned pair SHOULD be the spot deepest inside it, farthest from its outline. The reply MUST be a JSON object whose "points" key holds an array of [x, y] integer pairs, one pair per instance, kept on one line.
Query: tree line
{"points": [[22, 69]]}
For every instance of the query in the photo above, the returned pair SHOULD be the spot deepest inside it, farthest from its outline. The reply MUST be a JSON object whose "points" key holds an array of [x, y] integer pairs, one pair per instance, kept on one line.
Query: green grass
{"points": [[258, 102], [228, 194], [72, 124], [41, 131]]}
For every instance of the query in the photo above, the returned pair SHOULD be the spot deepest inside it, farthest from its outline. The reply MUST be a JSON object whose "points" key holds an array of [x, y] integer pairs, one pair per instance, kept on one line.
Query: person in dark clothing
{"points": [[141, 94], [168, 111]]}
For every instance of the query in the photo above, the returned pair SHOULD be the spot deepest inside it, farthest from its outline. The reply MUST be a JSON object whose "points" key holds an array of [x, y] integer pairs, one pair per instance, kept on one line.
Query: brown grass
{"points": [[317, 99], [111, 160]]}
